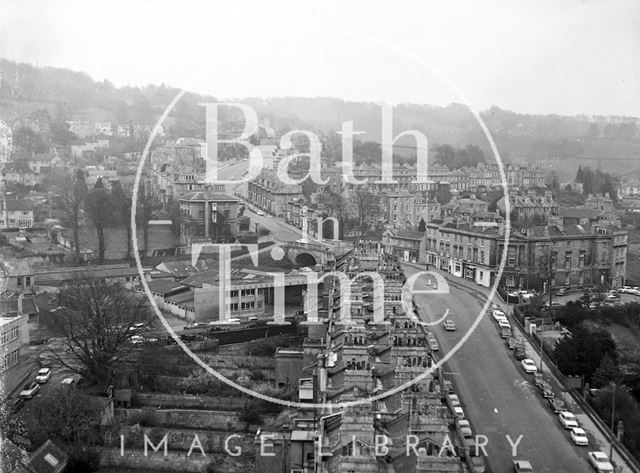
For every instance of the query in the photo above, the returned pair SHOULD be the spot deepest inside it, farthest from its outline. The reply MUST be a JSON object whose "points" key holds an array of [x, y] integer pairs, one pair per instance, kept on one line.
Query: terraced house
{"points": [[572, 256]]}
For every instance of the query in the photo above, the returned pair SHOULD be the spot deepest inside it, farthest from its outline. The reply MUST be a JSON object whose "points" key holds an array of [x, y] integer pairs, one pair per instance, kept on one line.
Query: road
{"points": [[279, 229], [498, 397]]}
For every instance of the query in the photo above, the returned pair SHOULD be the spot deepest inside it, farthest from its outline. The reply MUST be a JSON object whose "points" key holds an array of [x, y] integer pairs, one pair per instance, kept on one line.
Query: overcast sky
{"points": [[537, 56]]}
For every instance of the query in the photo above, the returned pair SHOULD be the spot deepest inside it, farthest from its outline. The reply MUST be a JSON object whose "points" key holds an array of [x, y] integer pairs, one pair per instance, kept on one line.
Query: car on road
{"points": [[600, 462], [136, 339], [568, 420], [579, 436], [529, 365], [43, 375], [449, 325], [522, 466], [465, 428], [259, 212], [561, 292], [30, 390]]}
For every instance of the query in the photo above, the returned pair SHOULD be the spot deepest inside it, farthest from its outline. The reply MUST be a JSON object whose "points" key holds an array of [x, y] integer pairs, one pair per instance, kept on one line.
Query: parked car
{"points": [[43, 375], [579, 436], [600, 462], [546, 390], [529, 365], [449, 325], [557, 405], [458, 412], [504, 323], [465, 428], [568, 420], [454, 400], [522, 466], [71, 381], [497, 313], [30, 390], [18, 404], [561, 292], [433, 344]]}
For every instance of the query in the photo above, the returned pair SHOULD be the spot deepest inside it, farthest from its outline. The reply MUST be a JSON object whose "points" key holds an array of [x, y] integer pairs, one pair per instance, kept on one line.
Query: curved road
{"points": [[498, 396]]}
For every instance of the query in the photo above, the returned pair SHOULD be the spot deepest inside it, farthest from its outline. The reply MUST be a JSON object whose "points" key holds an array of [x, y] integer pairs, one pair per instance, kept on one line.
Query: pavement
{"points": [[498, 396]]}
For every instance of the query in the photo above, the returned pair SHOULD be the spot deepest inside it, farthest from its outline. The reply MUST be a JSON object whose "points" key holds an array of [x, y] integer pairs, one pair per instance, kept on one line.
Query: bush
{"points": [[252, 415], [147, 419], [83, 460], [263, 231]]}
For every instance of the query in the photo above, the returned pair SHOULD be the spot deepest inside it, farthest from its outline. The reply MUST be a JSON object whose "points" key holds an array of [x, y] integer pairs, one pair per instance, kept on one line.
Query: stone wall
{"points": [[240, 361], [187, 401], [174, 461], [185, 418]]}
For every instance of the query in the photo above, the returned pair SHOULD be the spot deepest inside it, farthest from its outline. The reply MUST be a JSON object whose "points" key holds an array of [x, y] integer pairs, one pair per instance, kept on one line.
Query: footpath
{"points": [[599, 438]]}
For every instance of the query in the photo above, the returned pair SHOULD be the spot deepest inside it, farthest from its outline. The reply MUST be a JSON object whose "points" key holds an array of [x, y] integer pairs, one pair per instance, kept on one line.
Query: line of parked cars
{"points": [[633, 290], [568, 420]]}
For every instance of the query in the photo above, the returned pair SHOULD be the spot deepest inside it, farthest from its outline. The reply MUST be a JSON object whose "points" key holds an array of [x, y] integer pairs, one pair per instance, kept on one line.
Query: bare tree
{"points": [[366, 206], [146, 206], [73, 192], [98, 207], [96, 322]]}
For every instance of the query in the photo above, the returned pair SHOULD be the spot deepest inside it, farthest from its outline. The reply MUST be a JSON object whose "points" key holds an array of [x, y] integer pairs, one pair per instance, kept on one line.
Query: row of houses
{"points": [[572, 255]]}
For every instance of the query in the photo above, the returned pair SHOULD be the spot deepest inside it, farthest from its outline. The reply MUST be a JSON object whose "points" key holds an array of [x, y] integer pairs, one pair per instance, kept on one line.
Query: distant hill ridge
{"points": [[67, 94]]}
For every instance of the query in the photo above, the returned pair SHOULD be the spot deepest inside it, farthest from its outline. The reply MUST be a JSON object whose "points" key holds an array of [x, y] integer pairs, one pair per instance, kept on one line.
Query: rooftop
{"points": [[210, 196], [18, 204]]}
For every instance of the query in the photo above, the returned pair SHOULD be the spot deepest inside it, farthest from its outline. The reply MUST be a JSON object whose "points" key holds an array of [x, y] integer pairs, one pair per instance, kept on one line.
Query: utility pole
{"points": [[613, 416]]}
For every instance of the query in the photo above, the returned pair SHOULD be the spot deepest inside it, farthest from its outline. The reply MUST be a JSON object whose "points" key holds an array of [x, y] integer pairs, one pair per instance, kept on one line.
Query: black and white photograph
{"points": [[319, 237]]}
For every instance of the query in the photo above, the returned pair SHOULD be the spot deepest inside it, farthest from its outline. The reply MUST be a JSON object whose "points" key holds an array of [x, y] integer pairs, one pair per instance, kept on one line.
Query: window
{"points": [[9, 360], [567, 260], [582, 259]]}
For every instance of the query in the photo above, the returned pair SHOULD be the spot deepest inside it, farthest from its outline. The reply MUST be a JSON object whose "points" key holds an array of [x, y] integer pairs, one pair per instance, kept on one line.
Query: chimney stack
{"points": [[207, 216]]}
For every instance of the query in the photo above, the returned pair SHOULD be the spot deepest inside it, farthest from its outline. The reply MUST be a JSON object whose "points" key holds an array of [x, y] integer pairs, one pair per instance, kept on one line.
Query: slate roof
{"points": [[18, 204], [17, 166], [211, 196], [165, 286], [49, 458]]}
